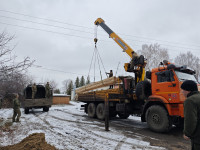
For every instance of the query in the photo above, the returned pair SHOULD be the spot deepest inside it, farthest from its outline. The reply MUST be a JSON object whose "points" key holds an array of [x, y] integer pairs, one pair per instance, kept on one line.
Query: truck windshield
{"points": [[185, 76]]}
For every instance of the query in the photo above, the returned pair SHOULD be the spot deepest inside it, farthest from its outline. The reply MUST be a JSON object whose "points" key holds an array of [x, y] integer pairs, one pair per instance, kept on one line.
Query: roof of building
{"points": [[61, 95]]}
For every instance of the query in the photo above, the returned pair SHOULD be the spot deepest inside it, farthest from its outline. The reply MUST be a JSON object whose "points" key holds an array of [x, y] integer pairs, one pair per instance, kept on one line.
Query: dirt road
{"points": [[172, 140], [68, 127]]}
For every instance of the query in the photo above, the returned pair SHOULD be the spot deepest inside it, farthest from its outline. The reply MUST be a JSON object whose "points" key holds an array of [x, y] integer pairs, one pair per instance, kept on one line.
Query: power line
{"points": [[55, 70], [86, 37], [45, 19], [45, 24], [45, 30], [53, 32], [164, 44], [160, 40], [92, 28]]}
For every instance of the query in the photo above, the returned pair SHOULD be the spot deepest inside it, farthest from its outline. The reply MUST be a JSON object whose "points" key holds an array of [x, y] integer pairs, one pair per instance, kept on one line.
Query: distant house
{"points": [[61, 99]]}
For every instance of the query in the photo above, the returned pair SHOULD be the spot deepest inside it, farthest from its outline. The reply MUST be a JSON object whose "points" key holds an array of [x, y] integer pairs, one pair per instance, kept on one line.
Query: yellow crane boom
{"points": [[139, 64]]}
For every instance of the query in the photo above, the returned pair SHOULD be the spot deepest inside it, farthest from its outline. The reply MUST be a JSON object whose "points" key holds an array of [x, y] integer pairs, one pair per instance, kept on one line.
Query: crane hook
{"points": [[95, 40]]}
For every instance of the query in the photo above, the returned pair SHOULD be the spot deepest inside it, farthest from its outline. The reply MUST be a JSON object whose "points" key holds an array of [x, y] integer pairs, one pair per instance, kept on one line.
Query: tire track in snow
{"points": [[126, 124], [120, 143], [63, 135], [81, 125], [79, 122]]}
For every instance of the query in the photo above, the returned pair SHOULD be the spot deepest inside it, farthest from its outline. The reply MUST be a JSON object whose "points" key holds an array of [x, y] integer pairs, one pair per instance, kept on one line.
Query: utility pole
{"points": [[107, 112]]}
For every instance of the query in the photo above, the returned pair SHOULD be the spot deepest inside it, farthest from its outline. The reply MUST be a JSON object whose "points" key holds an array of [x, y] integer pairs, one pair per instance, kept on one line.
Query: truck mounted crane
{"points": [[159, 101]]}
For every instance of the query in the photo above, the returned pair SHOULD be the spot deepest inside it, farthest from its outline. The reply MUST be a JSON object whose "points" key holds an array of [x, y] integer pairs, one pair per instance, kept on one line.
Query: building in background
{"points": [[61, 99]]}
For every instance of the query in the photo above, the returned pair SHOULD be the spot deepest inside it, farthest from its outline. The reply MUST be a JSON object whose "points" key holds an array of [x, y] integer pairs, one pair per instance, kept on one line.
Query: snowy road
{"points": [[68, 127]]}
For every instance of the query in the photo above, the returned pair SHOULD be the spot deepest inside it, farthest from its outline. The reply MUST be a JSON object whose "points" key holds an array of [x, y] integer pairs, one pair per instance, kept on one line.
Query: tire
{"points": [[45, 109], [26, 110], [143, 90], [157, 119], [123, 116], [100, 111], [91, 109]]}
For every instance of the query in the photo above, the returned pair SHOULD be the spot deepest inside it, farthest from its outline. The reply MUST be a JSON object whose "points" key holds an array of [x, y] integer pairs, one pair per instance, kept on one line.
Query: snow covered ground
{"points": [[68, 127]]}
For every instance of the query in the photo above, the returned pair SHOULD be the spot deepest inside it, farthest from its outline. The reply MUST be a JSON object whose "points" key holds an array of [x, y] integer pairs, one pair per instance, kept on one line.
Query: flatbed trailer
{"points": [[122, 100]]}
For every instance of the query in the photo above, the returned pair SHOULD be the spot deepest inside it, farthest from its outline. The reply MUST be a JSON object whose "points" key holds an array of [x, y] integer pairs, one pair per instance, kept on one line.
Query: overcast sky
{"points": [[58, 34]]}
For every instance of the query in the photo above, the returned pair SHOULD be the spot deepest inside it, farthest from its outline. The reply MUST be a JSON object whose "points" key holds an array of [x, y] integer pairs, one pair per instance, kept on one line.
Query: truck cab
{"points": [[166, 97]]}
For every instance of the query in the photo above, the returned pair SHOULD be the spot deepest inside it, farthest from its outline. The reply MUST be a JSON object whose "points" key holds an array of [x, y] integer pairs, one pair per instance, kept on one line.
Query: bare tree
{"points": [[56, 91], [190, 60], [53, 84], [66, 84], [8, 64], [154, 54], [12, 73]]}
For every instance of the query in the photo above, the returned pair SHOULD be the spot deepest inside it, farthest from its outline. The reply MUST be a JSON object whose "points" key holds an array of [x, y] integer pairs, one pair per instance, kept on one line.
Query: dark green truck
{"points": [[40, 100]]}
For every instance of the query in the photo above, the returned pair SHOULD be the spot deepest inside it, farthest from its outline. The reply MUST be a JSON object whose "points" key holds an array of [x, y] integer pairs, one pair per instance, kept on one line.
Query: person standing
{"points": [[0, 103], [34, 90], [110, 75], [16, 109], [191, 113], [47, 90]]}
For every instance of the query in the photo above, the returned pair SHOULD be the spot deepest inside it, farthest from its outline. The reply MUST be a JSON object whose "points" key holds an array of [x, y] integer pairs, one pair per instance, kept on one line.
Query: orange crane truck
{"points": [[154, 95]]}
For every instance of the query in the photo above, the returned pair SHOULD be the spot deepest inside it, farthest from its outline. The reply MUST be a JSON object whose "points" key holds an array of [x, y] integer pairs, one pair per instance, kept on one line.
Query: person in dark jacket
{"points": [[191, 113], [110, 76], [34, 90], [47, 90], [16, 109]]}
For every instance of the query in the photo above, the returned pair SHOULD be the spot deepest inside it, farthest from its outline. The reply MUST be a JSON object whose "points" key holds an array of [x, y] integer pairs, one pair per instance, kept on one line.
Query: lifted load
{"points": [[40, 100], [97, 85]]}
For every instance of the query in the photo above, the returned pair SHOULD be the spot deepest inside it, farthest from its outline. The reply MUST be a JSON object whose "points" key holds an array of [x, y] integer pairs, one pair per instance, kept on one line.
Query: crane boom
{"points": [[139, 64], [126, 48]]}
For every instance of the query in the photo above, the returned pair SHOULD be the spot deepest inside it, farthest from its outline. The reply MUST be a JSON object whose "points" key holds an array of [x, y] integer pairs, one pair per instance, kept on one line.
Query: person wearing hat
{"points": [[191, 113], [34, 90], [133, 60]]}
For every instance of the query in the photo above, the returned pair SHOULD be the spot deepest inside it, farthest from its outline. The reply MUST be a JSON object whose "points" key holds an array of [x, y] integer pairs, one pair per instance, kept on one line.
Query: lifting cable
{"points": [[96, 58], [91, 64]]}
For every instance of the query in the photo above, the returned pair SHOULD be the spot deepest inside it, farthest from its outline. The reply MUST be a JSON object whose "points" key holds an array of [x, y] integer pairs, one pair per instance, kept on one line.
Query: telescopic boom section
{"points": [[139, 68], [126, 48]]}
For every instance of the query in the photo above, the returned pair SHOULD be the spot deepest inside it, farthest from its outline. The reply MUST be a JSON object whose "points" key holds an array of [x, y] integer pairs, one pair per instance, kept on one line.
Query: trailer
{"points": [[40, 100]]}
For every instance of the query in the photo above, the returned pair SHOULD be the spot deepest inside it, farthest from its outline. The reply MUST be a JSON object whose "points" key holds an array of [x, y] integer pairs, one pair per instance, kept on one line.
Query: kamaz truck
{"points": [[154, 95]]}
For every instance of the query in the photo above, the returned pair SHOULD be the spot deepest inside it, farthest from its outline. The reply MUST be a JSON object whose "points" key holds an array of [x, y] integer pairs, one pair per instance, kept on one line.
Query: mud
{"points": [[172, 140], [35, 141]]}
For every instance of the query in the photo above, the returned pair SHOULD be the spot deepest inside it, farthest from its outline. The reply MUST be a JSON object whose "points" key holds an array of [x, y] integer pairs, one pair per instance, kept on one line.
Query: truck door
{"points": [[165, 84]]}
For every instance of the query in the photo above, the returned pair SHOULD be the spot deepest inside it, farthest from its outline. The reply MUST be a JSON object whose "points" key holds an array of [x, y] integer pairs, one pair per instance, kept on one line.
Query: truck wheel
{"points": [[123, 116], [91, 110], [143, 90], [26, 110], [157, 119], [45, 109], [100, 111]]}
